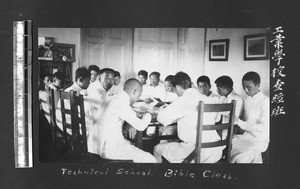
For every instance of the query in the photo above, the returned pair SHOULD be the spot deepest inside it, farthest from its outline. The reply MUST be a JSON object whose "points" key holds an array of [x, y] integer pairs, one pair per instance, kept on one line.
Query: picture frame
{"points": [[64, 52], [45, 48], [218, 50], [256, 47]]}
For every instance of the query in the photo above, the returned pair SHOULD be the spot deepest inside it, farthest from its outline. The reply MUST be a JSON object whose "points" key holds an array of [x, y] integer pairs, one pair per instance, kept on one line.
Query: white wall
{"points": [[64, 35], [191, 53], [236, 67]]}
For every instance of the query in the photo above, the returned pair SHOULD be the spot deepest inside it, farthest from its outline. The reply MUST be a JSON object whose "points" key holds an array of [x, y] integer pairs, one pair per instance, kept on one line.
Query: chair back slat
{"points": [[217, 108], [222, 126], [214, 144]]}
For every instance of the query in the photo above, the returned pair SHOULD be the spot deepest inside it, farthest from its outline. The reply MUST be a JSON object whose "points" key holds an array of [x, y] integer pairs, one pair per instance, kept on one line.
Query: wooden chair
{"points": [[203, 108], [74, 132]]}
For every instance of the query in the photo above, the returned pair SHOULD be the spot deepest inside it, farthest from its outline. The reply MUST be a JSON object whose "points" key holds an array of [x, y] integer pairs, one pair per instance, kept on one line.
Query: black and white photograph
{"points": [[141, 95]]}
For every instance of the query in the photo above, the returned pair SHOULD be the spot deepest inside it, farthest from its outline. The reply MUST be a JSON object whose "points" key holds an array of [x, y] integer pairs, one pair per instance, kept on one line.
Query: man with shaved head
{"points": [[106, 138]]}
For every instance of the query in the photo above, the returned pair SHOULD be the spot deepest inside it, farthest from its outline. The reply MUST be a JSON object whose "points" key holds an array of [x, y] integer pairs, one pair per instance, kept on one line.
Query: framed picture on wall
{"points": [[256, 47], [218, 50]]}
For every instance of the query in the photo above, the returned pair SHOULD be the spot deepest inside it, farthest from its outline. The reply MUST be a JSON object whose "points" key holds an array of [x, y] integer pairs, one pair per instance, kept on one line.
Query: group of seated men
{"points": [[108, 104]]}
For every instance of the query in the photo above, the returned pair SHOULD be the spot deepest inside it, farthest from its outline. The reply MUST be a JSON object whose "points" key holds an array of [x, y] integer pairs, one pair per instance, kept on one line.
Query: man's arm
{"points": [[262, 124], [239, 105], [127, 114], [171, 113]]}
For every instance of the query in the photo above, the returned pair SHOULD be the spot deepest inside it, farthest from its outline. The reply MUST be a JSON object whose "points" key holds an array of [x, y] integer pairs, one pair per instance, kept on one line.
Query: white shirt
{"points": [[77, 88], [158, 91], [214, 96], [257, 112], [116, 89], [106, 134], [239, 105], [94, 85], [146, 92], [170, 97], [44, 103], [184, 110], [97, 94]]}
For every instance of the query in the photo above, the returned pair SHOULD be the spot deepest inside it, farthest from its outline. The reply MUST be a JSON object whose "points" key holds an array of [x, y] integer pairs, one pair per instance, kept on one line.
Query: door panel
{"points": [[95, 53], [107, 47], [155, 49]]}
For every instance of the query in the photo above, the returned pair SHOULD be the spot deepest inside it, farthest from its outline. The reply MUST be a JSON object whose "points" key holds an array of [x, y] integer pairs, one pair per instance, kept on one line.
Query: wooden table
{"points": [[155, 137]]}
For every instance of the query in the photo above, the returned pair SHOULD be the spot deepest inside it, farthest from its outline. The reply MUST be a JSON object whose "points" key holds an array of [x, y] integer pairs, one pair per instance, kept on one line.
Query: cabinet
{"points": [[61, 59], [51, 66]]}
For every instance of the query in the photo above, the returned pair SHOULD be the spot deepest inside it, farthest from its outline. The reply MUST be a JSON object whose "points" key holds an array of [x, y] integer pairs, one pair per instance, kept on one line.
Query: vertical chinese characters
{"points": [[277, 72]]}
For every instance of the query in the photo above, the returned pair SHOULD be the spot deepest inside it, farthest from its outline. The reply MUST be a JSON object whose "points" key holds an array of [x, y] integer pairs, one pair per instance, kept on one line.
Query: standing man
{"points": [[106, 138], [247, 148], [184, 111]]}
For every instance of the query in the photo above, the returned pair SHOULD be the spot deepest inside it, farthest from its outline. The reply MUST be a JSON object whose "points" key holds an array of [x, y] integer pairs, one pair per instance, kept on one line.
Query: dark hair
{"points": [[183, 80], [203, 79], [42, 85], [95, 68], [48, 75], [224, 82], [59, 75], [252, 76], [170, 78], [143, 72], [82, 72], [155, 73], [107, 70], [117, 74]]}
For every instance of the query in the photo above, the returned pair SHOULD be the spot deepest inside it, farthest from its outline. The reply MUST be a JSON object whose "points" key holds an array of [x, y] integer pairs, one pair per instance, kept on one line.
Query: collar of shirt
{"points": [[190, 91], [96, 84], [76, 87], [256, 96], [231, 95]]}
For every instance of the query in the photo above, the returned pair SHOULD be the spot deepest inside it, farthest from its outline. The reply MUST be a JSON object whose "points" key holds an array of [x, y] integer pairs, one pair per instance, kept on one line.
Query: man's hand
{"points": [[235, 121], [148, 100]]}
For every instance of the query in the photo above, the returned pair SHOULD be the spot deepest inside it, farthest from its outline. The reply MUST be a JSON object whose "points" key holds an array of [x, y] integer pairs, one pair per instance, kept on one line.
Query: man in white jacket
{"points": [[106, 137], [247, 148], [184, 111]]}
